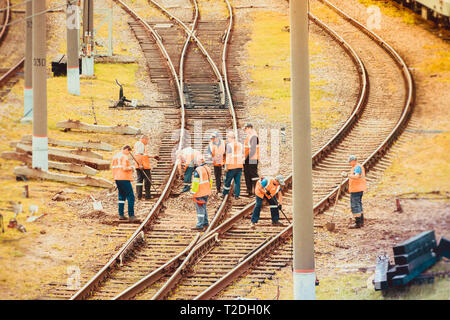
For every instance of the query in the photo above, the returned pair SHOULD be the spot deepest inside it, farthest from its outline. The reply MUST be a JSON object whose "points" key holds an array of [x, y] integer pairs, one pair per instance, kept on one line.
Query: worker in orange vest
{"points": [[269, 189], [187, 159], [251, 156], [122, 171], [357, 184], [143, 170], [200, 190], [234, 162], [216, 150]]}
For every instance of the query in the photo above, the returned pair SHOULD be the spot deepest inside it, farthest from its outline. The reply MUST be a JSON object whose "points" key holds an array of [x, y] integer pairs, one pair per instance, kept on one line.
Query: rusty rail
{"points": [[102, 274], [325, 202]]}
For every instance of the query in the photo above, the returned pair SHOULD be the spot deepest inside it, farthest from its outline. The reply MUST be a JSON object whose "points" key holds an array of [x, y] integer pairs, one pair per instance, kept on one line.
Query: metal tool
{"points": [[330, 225], [276, 201], [96, 204], [149, 179]]}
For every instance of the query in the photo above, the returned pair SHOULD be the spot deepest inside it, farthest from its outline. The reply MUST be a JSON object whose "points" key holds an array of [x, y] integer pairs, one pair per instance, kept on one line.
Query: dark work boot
{"points": [[357, 223], [139, 192], [362, 220]]}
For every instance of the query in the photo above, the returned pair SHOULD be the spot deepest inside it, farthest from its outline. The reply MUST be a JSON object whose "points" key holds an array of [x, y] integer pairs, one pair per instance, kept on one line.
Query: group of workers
{"points": [[230, 156]]}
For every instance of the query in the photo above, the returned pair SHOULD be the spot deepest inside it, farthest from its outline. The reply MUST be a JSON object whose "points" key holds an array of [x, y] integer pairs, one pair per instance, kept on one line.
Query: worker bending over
{"points": [[233, 165], [143, 170], [186, 165], [270, 189], [251, 156], [356, 186], [122, 172], [216, 150], [200, 190]]}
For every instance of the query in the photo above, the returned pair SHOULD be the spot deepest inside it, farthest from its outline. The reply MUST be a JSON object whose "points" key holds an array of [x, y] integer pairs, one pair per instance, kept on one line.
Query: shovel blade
{"points": [[97, 206], [330, 226]]}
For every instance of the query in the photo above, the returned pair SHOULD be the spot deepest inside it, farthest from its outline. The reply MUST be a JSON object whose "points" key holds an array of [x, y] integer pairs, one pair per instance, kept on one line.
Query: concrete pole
{"points": [[40, 139], [73, 28], [28, 85], [303, 229], [88, 38]]}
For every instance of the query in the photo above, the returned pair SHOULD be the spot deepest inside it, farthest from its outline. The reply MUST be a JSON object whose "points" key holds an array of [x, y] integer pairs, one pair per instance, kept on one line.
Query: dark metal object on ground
{"points": [[412, 257], [443, 249]]}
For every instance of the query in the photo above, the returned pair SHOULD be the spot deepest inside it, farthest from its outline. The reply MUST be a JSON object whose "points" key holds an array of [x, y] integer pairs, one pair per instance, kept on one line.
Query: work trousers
{"points": [[274, 212], [251, 176], [356, 203], [218, 177], [202, 214], [188, 178], [233, 174], [125, 193], [143, 181]]}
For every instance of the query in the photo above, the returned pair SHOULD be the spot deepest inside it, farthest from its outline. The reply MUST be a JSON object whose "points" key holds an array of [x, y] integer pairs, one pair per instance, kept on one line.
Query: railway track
{"points": [[204, 265], [8, 76], [166, 229], [233, 251], [154, 287]]}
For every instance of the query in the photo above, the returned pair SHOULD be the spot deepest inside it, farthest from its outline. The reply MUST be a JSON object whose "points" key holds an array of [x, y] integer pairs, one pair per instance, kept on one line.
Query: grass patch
{"points": [[269, 67], [421, 167]]}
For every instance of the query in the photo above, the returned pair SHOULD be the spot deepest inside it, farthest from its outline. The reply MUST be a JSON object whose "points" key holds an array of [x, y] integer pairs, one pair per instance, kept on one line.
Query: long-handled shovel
{"points": [[330, 225], [276, 201], [151, 182]]}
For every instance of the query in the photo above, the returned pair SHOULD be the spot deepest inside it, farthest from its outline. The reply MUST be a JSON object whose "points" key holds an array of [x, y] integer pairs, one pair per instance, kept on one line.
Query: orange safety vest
{"points": [[217, 153], [118, 163], [235, 159], [357, 185], [247, 147], [188, 156], [142, 155], [204, 186], [272, 187]]}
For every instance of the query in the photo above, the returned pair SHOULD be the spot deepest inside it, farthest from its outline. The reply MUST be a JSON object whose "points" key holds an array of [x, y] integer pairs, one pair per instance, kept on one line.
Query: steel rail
{"points": [[6, 16], [357, 110], [156, 275], [12, 71], [325, 203], [133, 240], [191, 33]]}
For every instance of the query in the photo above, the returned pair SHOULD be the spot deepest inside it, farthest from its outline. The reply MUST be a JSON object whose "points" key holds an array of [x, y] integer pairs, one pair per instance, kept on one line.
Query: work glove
{"points": [[157, 158], [279, 207]]}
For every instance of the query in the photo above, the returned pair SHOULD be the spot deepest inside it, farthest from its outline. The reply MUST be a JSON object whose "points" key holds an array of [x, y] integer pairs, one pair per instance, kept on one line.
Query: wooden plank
{"points": [[408, 257], [68, 157], [79, 152], [46, 175], [78, 125], [414, 264], [414, 242], [98, 145], [401, 280], [71, 167], [443, 250]]}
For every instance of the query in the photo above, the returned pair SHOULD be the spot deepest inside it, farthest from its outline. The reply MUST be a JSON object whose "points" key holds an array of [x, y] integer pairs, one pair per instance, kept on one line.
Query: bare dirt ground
{"points": [[417, 168], [71, 236]]}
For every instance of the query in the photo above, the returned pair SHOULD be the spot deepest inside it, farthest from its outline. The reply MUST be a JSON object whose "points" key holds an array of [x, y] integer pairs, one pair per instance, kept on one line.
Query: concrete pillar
{"points": [[303, 238], [28, 83], [73, 28], [87, 60], [40, 139]]}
